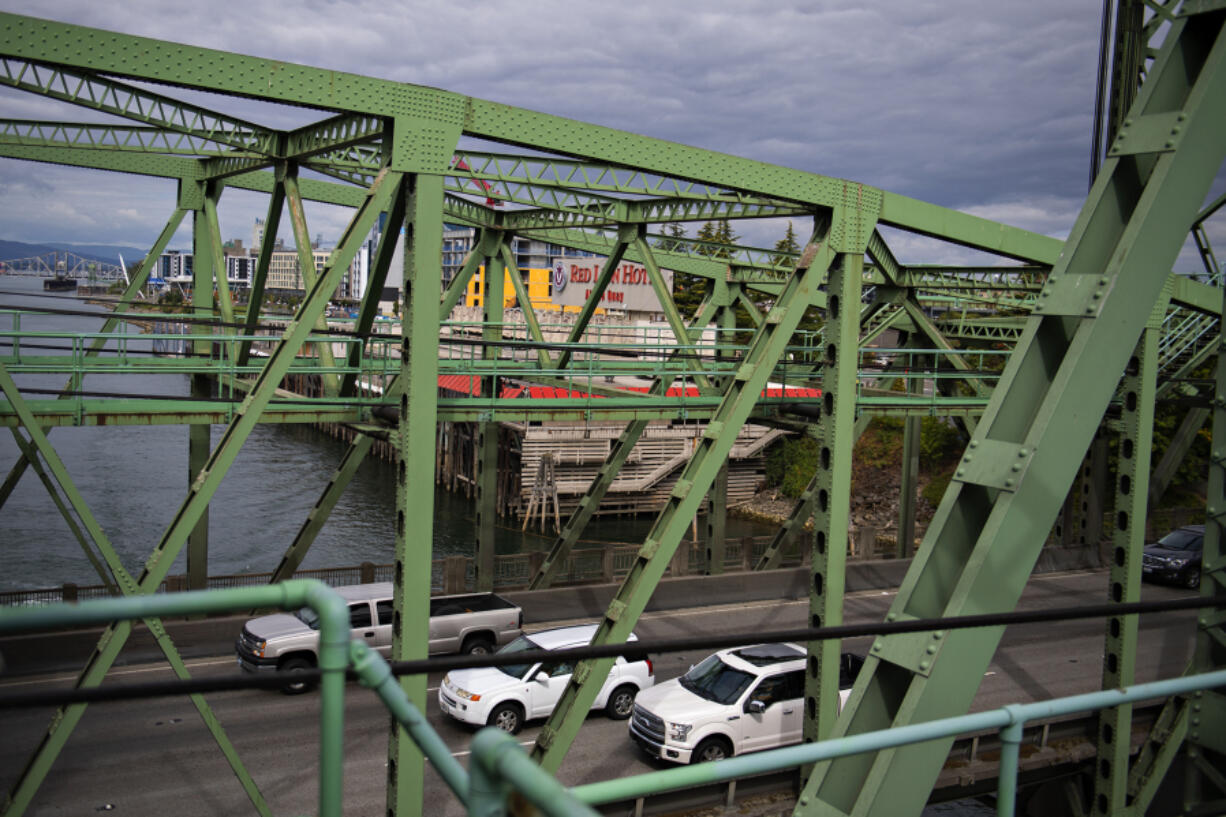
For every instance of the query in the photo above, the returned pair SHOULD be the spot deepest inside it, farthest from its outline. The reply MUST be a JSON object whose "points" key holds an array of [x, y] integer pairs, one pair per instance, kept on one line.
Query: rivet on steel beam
{"points": [[925, 664], [938, 635], [877, 647], [1021, 452], [1090, 310], [974, 443], [961, 472], [1168, 144], [931, 649], [1183, 117], [1104, 280], [891, 616], [1009, 483], [1128, 123], [1015, 467]]}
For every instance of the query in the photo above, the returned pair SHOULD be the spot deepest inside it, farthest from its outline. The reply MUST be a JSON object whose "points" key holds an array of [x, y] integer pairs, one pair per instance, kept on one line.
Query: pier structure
{"points": [[1094, 329]]}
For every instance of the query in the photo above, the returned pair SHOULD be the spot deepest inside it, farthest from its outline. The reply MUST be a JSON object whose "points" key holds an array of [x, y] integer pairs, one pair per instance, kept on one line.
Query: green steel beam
{"points": [[376, 281], [492, 291], [415, 443], [336, 133], [1191, 294], [268, 242], [319, 513], [459, 284], [1174, 453], [29, 454], [738, 402], [26, 786], [625, 238], [990, 526], [136, 138], [206, 252], [306, 266], [110, 96], [1136, 425], [525, 304], [855, 223]]}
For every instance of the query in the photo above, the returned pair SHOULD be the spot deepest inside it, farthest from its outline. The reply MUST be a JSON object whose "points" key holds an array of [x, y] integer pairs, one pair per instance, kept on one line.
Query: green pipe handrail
{"points": [[499, 763], [1009, 720]]}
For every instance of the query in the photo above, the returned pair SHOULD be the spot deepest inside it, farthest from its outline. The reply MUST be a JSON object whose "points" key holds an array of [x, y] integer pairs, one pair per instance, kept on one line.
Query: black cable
{"points": [[634, 650]]}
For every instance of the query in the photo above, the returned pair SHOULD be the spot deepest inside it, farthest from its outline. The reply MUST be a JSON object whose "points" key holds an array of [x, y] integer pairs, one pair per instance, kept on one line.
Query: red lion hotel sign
{"points": [[630, 289]]}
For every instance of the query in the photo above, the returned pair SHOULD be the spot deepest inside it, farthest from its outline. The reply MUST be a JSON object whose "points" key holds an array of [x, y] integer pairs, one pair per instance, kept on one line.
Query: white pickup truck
{"points": [[475, 624], [739, 700]]}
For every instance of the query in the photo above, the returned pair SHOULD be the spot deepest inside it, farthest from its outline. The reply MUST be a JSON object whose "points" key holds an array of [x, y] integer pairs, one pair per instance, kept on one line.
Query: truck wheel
{"points": [[507, 717], [710, 749], [297, 687], [477, 645], [621, 702]]}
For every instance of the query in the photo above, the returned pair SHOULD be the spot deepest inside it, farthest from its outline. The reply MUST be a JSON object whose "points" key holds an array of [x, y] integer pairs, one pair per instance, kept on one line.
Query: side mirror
{"points": [[755, 707], [541, 678]]}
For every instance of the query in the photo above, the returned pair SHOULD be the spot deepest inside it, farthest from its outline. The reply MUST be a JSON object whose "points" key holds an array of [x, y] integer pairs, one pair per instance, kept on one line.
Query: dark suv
{"points": [[1175, 557]]}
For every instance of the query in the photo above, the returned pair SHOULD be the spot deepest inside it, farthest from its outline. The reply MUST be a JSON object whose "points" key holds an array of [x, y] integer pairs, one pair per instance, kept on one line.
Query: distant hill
{"points": [[106, 253]]}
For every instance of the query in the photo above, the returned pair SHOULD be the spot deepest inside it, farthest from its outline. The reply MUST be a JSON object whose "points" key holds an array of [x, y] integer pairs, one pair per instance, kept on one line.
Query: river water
{"points": [[134, 477]]}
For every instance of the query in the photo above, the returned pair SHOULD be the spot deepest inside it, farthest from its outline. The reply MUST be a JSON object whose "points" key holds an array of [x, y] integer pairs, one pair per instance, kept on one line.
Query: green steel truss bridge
{"points": [[1092, 331]]}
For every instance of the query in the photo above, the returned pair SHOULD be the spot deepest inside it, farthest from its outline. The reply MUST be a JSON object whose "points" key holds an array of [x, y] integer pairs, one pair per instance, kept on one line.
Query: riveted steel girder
{"points": [[415, 439], [994, 518], [99, 93], [110, 137], [1124, 582]]}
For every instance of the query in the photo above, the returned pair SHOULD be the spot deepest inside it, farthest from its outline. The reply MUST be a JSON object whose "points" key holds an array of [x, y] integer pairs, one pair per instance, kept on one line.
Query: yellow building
{"points": [[540, 291]]}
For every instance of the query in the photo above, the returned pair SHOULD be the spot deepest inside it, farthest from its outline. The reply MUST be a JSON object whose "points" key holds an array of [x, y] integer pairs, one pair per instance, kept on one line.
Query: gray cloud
{"points": [[979, 106]]}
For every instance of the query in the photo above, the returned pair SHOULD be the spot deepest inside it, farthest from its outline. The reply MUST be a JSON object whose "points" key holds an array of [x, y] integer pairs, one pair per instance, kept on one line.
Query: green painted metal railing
{"points": [[499, 765], [1009, 720]]}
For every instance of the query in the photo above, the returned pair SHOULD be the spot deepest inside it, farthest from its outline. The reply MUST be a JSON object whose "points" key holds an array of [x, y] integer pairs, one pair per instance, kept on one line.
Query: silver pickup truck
{"points": [[475, 624]]}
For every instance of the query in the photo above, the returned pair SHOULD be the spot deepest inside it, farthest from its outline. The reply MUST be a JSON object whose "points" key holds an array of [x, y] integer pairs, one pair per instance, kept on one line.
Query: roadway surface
{"points": [[155, 757]]}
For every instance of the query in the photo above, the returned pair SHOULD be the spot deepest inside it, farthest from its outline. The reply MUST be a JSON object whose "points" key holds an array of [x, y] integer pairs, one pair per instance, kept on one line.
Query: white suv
{"points": [[735, 701], [507, 696]]}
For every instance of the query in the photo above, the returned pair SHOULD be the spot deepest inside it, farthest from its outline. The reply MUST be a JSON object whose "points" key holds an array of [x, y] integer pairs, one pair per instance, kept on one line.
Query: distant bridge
{"points": [[63, 264]]}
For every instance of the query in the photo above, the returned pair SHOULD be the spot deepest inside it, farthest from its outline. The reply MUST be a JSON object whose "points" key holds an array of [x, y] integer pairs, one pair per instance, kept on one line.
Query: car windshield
{"points": [[308, 617], [518, 645], [1181, 540], [716, 681]]}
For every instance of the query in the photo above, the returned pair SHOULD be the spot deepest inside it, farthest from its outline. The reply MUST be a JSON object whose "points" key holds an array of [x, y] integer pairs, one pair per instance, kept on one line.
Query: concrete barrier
{"points": [[68, 651]]}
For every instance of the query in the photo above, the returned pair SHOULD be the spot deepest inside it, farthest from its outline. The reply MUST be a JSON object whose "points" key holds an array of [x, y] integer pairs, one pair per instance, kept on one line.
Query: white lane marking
{"points": [[469, 752]]}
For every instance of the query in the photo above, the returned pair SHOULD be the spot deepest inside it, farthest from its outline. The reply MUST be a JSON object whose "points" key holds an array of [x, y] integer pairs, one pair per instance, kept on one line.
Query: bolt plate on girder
{"points": [[994, 464], [911, 651], [1078, 296], [1152, 133]]}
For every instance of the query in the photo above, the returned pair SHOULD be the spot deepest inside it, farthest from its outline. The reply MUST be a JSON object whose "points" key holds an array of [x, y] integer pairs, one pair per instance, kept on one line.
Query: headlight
{"points": [[1175, 561], [259, 649], [679, 731], [461, 693]]}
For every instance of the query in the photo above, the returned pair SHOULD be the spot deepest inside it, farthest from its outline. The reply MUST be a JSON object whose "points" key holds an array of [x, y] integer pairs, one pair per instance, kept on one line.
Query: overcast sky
{"points": [[980, 106]]}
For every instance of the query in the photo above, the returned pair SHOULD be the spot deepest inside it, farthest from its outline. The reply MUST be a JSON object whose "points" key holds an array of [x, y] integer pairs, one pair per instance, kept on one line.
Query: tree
{"points": [[671, 243], [786, 248]]}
